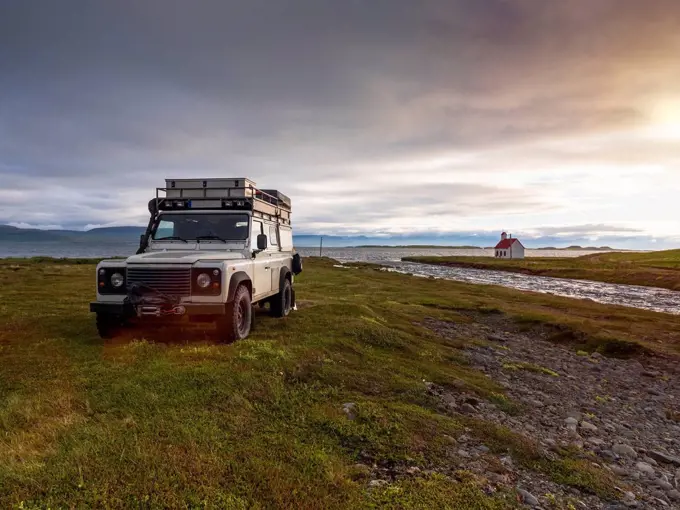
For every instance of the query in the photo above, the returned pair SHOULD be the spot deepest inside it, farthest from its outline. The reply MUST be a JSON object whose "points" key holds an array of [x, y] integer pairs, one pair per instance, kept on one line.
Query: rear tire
{"points": [[282, 303], [108, 326], [236, 323]]}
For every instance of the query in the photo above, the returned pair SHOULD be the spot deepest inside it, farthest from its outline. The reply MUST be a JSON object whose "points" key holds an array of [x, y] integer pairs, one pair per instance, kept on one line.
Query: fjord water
{"points": [[650, 298]]}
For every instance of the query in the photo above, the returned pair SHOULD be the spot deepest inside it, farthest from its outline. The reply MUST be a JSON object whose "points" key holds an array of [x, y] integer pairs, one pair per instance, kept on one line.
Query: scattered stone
{"points": [[350, 410], [624, 450], [528, 498], [618, 470], [664, 457], [663, 484], [496, 338], [464, 453], [473, 401], [483, 449], [620, 416], [650, 373], [413, 470], [585, 425], [468, 409], [645, 468], [377, 483]]}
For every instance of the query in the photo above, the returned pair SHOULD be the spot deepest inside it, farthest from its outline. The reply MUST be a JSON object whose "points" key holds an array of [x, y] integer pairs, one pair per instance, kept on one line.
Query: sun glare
{"points": [[665, 117]]}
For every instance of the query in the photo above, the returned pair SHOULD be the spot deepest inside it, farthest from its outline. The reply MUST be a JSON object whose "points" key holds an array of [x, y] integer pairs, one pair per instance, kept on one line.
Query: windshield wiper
{"points": [[171, 238], [210, 237]]}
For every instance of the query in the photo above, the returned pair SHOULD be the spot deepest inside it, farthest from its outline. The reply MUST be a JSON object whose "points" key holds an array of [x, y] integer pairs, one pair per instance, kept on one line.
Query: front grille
{"points": [[172, 281]]}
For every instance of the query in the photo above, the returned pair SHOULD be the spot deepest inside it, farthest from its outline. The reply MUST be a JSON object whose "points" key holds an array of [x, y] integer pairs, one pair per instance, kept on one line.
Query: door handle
{"points": [[266, 267]]}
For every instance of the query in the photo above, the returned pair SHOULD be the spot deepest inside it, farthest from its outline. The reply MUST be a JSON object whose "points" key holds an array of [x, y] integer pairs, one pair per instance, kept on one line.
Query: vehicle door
{"points": [[274, 247], [262, 279]]}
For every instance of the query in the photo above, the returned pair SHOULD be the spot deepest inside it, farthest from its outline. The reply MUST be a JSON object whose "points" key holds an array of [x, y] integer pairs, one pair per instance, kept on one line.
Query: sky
{"points": [[552, 120]]}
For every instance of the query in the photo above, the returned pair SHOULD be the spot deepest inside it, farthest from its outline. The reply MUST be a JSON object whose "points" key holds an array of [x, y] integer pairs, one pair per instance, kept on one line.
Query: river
{"points": [[648, 298]]}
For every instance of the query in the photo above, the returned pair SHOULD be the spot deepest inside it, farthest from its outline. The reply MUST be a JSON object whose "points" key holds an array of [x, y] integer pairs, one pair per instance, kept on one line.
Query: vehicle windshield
{"points": [[183, 227]]}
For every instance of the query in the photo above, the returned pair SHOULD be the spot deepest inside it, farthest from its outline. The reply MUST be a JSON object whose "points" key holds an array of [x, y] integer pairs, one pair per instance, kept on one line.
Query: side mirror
{"points": [[261, 242]]}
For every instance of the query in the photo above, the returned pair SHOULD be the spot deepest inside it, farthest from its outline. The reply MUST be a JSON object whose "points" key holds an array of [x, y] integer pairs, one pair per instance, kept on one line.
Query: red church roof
{"points": [[506, 244]]}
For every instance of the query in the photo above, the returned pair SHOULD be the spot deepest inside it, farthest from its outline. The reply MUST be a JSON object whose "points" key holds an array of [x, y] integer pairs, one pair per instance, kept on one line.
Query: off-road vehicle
{"points": [[212, 249]]}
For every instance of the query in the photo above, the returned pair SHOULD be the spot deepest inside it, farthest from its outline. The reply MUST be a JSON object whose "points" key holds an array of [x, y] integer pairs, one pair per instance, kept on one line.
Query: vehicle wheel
{"points": [[283, 301], [235, 325], [108, 325]]}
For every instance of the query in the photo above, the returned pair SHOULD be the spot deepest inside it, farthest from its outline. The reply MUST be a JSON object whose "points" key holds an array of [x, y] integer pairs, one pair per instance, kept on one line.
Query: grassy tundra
{"points": [[653, 269], [186, 422]]}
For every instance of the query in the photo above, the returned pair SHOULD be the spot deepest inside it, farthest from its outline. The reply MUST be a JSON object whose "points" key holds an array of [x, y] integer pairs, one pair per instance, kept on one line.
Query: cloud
{"points": [[387, 115]]}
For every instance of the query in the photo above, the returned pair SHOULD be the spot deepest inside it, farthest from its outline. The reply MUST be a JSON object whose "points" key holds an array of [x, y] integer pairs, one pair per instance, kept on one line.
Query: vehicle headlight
{"points": [[117, 280], [203, 280]]}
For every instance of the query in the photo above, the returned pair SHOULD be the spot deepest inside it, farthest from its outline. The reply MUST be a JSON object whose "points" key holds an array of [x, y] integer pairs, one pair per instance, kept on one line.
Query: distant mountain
{"points": [[129, 234], [32, 235]]}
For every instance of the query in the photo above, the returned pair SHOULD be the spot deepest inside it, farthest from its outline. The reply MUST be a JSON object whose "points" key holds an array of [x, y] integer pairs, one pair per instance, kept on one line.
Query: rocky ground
{"points": [[620, 414]]}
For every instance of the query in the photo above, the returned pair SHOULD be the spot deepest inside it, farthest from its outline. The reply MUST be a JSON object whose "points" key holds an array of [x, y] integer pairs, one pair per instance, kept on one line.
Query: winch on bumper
{"points": [[128, 310]]}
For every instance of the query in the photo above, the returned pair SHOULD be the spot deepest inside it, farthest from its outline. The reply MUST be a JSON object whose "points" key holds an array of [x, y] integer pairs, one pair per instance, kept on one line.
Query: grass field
{"points": [[185, 422], [652, 269]]}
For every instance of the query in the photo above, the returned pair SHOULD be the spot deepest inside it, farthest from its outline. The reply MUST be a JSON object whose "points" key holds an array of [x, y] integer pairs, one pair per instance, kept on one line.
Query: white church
{"points": [[509, 248]]}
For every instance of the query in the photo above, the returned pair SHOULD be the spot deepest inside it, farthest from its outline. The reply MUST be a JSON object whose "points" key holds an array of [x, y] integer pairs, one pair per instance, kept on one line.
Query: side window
{"points": [[165, 229], [286, 238], [273, 236], [256, 230]]}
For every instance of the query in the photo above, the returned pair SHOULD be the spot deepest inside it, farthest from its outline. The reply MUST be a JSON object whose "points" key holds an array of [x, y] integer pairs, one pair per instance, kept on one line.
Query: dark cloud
{"points": [[99, 102]]}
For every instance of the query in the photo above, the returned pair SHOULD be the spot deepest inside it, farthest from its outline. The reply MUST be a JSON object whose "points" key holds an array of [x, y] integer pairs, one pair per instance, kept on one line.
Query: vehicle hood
{"points": [[182, 257]]}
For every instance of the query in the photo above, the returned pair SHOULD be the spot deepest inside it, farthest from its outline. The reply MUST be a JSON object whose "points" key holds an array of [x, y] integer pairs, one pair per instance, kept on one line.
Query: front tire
{"points": [[235, 325], [108, 325], [283, 301]]}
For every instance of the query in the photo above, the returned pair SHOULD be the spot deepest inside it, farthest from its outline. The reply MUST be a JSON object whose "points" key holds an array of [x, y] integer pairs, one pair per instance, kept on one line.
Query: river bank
{"points": [[652, 269], [382, 390]]}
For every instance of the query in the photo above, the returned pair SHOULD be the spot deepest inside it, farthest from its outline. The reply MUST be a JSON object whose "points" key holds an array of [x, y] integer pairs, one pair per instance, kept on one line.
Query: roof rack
{"points": [[236, 193]]}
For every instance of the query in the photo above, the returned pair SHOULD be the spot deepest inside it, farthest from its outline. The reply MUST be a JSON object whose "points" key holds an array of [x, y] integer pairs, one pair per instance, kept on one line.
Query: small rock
{"points": [[596, 441], [528, 498], [350, 410], [674, 495], [650, 373], [483, 449], [624, 450], [585, 425], [663, 484], [468, 409], [413, 470], [571, 421], [645, 468], [463, 453], [496, 338], [618, 470], [664, 457], [596, 355], [473, 401], [377, 483], [661, 501], [608, 454], [362, 469]]}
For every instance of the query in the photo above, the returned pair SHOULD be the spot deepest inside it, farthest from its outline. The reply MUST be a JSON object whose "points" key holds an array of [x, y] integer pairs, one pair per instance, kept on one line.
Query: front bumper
{"points": [[127, 310]]}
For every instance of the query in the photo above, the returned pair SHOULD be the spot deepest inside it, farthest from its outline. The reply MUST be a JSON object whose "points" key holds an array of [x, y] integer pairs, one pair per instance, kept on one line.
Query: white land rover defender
{"points": [[212, 249]]}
